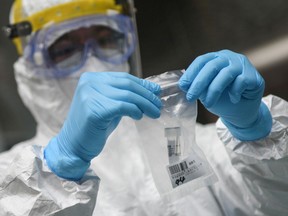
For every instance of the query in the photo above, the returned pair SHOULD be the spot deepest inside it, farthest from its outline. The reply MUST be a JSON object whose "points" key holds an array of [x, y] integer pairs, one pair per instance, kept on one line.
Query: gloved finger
{"points": [[202, 97], [252, 82], [145, 105], [127, 81], [205, 77], [223, 79], [106, 109], [134, 111], [123, 89], [131, 110], [131, 86], [192, 71], [113, 77], [153, 87], [237, 88]]}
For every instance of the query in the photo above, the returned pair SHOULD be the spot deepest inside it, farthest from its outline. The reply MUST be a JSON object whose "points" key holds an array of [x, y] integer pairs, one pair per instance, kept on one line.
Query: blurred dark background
{"points": [[172, 34]]}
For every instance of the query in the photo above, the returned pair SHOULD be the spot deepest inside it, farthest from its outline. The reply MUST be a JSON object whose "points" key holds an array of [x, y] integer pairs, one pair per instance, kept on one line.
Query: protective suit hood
{"points": [[49, 99]]}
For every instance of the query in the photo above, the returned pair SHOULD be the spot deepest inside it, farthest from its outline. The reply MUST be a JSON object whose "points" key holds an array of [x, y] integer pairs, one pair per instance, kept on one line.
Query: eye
{"points": [[62, 49], [111, 41], [107, 37]]}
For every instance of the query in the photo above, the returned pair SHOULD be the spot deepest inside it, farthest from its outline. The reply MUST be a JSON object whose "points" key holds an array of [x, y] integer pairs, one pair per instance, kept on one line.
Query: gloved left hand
{"points": [[229, 86]]}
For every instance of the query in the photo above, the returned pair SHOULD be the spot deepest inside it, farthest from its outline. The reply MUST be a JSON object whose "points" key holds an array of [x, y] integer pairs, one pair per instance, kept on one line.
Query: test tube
{"points": [[173, 143]]}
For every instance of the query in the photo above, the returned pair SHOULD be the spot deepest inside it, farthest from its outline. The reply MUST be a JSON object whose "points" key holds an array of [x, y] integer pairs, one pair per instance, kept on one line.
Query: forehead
{"points": [[80, 26], [92, 31]]}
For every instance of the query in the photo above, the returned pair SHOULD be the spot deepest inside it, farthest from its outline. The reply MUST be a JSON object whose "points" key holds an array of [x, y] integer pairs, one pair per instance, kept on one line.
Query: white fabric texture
{"points": [[30, 7], [264, 163], [27, 187], [49, 99], [248, 184], [83, 22]]}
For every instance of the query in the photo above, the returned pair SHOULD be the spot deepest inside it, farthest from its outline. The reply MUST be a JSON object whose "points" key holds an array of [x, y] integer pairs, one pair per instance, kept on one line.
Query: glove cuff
{"points": [[260, 129], [67, 167]]}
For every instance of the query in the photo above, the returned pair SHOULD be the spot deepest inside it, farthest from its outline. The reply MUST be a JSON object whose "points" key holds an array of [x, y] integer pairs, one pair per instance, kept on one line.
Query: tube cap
{"points": [[172, 132]]}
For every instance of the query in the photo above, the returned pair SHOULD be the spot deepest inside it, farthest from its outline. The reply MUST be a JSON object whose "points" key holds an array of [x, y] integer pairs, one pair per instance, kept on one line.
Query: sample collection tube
{"points": [[173, 143]]}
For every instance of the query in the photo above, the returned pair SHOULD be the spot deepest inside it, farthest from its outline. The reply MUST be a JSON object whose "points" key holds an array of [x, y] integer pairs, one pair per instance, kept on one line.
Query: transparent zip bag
{"points": [[178, 165]]}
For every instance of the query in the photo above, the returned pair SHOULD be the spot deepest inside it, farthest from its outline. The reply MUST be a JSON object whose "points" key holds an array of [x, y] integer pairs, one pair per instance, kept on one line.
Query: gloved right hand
{"points": [[100, 100], [229, 86]]}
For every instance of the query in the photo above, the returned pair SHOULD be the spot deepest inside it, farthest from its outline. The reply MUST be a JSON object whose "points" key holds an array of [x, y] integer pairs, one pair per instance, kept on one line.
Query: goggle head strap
{"points": [[20, 29]]}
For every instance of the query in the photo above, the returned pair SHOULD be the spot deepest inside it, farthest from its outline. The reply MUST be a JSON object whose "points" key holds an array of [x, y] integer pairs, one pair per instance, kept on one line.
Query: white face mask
{"points": [[49, 99]]}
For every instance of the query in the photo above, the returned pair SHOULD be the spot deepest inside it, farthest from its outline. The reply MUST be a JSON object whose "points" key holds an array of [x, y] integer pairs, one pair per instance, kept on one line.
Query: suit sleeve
{"points": [[263, 163], [28, 187]]}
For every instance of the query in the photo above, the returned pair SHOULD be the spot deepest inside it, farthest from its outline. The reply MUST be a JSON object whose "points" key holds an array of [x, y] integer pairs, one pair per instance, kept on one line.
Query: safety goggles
{"points": [[64, 48]]}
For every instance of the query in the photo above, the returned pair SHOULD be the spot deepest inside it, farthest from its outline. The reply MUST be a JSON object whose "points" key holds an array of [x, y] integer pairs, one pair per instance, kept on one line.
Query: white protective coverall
{"points": [[252, 176]]}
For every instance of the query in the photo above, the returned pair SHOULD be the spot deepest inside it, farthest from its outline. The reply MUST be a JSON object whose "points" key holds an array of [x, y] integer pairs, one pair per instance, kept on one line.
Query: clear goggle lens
{"points": [[63, 48], [71, 49]]}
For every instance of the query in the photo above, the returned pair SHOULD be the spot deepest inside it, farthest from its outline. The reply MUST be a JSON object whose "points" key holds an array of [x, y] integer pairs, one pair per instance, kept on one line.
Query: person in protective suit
{"points": [[79, 74]]}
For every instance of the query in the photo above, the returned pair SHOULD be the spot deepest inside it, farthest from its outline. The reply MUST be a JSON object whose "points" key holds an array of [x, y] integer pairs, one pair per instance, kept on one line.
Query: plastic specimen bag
{"points": [[177, 164]]}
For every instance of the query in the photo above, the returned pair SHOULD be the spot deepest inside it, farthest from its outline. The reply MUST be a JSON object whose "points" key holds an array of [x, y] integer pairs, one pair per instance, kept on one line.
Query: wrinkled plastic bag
{"points": [[177, 163]]}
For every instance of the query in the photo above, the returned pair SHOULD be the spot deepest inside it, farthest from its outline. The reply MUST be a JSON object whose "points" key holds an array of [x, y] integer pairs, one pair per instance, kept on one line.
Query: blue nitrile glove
{"points": [[229, 86], [99, 102]]}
